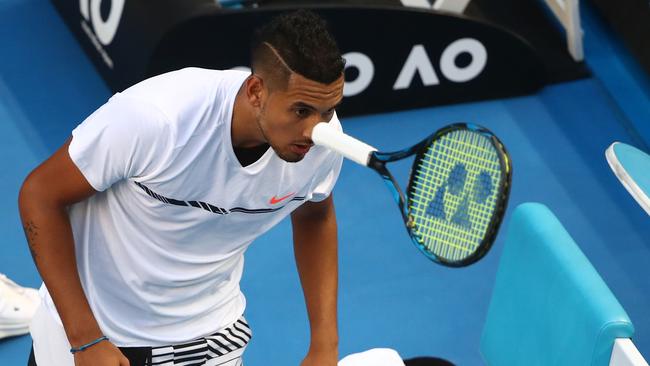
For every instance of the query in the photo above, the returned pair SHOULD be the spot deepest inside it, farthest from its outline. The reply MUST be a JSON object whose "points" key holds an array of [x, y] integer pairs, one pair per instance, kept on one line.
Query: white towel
{"points": [[373, 357]]}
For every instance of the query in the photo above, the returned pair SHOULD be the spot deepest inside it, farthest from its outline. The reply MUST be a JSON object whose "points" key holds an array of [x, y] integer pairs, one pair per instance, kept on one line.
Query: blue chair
{"points": [[549, 306], [632, 168]]}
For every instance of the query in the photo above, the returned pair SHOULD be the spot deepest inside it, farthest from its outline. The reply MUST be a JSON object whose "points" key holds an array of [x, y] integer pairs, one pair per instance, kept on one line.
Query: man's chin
{"points": [[290, 157]]}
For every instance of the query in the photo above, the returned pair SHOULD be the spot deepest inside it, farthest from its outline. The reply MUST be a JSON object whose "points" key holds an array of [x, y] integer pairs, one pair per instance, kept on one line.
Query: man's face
{"points": [[287, 117]]}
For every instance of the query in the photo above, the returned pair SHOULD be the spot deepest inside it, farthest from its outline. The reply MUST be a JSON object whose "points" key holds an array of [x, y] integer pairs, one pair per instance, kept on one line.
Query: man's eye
{"points": [[302, 112], [328, 115]]}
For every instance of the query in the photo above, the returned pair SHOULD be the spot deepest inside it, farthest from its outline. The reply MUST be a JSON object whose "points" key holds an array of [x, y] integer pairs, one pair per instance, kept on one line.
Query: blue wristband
{"points": [[87, 345]]}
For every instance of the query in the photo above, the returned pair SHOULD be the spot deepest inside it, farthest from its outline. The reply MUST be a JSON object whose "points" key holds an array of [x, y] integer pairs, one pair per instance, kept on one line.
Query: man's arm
{"points": [[316, 251], [43, 201]]}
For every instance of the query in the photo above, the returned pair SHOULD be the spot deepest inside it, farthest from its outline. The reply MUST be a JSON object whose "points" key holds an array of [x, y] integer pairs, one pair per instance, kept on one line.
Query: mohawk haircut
{"points": [[297, 42]]}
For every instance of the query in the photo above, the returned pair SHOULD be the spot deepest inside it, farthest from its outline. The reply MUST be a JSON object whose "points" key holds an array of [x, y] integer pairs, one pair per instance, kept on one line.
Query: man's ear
{"points": [[255, 90]]}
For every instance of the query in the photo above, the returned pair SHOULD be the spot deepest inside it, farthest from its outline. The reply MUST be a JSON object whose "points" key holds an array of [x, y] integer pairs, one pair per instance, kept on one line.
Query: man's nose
{"points": [[310, 127]]}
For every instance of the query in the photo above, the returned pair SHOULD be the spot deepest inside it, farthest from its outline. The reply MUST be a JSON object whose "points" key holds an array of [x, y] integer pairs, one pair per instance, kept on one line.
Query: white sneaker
{"points": [[17, 307]]}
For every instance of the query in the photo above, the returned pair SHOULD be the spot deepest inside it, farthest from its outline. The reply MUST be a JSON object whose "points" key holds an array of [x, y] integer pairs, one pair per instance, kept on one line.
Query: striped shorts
{"points": [[223, 348]]}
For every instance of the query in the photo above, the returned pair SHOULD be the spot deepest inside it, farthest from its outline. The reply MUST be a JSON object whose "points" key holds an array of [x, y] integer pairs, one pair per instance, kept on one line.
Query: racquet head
{"points": [[457, 194]]}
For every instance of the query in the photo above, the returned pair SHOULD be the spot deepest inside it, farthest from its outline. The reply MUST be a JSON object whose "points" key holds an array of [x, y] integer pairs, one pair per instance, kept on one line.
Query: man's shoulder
{"points": [[199, 74], [187, 92], [190, 80]]}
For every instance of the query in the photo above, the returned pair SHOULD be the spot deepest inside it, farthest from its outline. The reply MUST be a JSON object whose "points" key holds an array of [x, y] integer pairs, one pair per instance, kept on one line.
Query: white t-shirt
{"points": [[160, 247]]}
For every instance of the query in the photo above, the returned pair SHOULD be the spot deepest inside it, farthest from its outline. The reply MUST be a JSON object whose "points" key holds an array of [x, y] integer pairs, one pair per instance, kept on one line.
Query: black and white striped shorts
{"points": [[223, 348]]}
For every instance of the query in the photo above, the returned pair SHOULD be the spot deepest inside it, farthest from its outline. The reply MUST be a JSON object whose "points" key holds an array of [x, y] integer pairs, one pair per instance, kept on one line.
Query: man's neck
{"points": [[244, 130], [248, 155]]}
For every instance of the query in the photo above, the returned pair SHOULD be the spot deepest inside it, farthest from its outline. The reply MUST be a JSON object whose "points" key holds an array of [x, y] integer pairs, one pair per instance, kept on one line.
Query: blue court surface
{"points": [[390, 295]]}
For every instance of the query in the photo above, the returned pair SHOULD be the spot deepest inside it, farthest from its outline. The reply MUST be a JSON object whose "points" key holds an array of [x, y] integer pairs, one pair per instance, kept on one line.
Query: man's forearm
{"points": [[49, 235], [316, 251]]}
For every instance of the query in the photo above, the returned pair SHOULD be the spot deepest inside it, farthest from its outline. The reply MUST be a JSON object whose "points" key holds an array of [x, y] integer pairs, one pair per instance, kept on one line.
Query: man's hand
{"points": [[102, 354], [321, 358]]}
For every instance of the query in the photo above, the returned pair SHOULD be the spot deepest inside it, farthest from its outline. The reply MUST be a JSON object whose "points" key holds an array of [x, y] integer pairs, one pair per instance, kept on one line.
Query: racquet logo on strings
{"points": [[454, 185]]}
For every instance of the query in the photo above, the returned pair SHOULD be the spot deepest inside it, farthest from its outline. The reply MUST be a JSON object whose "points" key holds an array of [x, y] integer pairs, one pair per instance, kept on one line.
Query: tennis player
{"points": [[139, 223]]}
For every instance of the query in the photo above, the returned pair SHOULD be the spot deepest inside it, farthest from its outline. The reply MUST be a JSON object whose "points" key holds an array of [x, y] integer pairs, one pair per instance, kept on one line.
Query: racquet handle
{"points": [[325, 135]]}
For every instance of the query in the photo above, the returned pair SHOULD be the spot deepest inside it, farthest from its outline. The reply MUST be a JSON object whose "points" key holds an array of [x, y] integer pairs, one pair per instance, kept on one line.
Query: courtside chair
{"points": [[549, 306]]}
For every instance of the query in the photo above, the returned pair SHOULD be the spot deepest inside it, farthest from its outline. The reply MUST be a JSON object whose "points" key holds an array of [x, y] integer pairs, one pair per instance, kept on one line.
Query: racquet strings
{"points": [[453, 194]]}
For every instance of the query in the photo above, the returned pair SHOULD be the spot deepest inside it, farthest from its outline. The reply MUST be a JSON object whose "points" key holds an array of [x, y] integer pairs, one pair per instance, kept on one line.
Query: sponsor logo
{"points": [[456, 185], [419, 64], [101, 31], [275, 200]]}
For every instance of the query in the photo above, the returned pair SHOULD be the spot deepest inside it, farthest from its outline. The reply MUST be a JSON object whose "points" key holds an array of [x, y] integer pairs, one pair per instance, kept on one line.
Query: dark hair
{"points": [[299, 41]]}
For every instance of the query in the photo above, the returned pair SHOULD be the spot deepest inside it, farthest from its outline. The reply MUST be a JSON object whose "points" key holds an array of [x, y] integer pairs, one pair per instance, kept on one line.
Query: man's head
{"points": [[297, 80]]}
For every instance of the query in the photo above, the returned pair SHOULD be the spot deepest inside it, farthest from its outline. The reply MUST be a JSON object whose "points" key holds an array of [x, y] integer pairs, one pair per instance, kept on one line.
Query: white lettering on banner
{"points": [[83, 7], [469, 72], [106, 30], [366, 70], [103, 30], [418, 61], [95, 42]]}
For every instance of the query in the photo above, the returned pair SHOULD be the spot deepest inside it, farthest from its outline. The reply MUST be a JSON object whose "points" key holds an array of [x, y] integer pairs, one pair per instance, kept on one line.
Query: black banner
{"points": [[631, 19], [120, 35], [397, 58]]}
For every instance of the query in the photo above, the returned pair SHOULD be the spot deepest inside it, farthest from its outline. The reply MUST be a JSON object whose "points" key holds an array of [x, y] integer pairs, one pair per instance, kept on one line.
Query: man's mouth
{"points": [[301, 149]]}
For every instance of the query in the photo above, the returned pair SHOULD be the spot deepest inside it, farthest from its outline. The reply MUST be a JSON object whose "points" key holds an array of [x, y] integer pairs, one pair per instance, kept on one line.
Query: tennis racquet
{"points": [[457, 192]]}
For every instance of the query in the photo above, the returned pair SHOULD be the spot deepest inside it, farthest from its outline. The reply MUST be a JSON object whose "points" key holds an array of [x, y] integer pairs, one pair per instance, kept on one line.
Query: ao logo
{"points": [[418, 62], [104, 29]]}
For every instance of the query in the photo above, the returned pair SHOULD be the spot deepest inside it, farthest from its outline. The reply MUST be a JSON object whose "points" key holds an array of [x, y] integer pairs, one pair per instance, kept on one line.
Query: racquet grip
{"points": [[325, 135]]}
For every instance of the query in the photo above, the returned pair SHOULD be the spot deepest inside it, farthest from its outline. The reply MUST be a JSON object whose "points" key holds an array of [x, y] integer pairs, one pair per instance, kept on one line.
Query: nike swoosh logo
{"points": [[275, 200]]}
